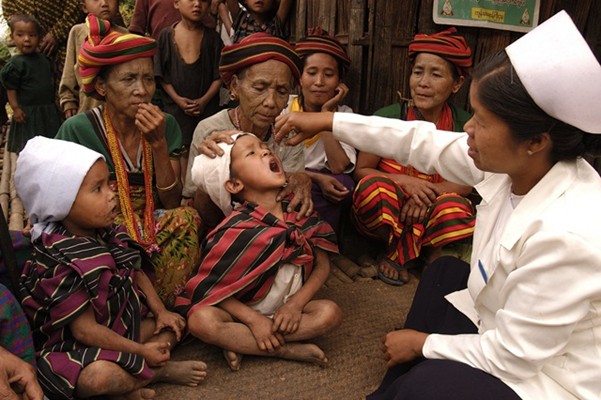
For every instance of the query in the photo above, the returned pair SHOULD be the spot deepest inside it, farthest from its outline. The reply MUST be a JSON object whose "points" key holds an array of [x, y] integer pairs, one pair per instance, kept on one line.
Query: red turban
{"points": [[255, 49], [105, 47], [446, 44], [319, 41]]}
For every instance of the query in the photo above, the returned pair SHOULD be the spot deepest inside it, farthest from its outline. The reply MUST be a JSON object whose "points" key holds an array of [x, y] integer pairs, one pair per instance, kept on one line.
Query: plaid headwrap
{"points": [[255, 49], [105, 47], [446, 44], [319, 41]]}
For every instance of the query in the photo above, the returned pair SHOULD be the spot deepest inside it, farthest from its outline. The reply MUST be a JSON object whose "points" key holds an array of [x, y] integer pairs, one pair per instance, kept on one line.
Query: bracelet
{"points": [[168, 188]]}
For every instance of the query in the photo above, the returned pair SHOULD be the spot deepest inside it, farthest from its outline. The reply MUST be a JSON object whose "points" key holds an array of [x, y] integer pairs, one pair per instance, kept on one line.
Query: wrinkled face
{"points": [[192, 10], [263, 92], [432, 82], [26, 37], [259, 6], [254, 165], [105, 9], [491, 144], [319, 80], [95, 205], [127, 85]]}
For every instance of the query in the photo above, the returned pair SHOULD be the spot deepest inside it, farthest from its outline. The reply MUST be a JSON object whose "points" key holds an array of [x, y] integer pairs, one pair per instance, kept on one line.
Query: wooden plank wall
{"points": [[377, 33]]}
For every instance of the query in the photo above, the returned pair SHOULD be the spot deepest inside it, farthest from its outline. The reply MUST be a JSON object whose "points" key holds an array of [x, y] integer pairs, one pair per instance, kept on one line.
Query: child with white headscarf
{"points": [[86, 291]]}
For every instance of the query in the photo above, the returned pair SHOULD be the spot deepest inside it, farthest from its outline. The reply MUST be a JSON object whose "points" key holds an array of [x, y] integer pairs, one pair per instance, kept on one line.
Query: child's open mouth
{"points": [[274, 166]]}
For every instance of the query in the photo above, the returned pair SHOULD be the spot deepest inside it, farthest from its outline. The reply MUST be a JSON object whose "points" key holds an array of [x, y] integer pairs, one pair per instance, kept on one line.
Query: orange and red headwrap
{"points": [[104, 47], [446, 44], [319, 41], [254, 49]]}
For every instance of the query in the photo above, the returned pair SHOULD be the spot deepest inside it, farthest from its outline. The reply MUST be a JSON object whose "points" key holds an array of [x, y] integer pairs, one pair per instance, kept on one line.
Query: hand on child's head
{"points": [[210, 147]]}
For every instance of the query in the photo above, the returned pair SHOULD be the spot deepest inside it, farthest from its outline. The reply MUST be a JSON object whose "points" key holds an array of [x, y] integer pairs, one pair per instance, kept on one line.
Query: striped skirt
{"points": [[377, 203]]}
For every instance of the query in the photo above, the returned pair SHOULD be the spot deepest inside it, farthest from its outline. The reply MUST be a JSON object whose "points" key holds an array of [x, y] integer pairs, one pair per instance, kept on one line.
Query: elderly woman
{"points": [[260, 71], [142, 147], [327, 161], [528, 324], [398, 204]]}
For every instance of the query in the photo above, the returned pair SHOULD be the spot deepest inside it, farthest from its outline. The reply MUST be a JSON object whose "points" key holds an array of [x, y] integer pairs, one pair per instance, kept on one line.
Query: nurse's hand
{"points": [[291, 129], [403, 345]]}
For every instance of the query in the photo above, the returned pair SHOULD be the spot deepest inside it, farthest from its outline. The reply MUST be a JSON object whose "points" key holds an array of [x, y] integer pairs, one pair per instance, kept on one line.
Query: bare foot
{"points": [[138, 394], [387, 270], [233, 359], [189, 373], [305, 352]]}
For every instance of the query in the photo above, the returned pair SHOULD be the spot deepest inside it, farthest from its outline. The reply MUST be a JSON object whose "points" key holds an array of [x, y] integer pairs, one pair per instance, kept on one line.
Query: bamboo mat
{"points": [[356, 366]]}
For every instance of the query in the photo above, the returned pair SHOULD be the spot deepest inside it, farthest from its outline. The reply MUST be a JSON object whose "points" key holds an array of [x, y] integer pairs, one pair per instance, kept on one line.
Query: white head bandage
{"points": [[48, 176], [210, 175]]}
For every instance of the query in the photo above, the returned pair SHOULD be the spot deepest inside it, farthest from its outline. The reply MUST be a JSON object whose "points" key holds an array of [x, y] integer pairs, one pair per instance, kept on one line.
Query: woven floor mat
{"points": [[355, 364]]}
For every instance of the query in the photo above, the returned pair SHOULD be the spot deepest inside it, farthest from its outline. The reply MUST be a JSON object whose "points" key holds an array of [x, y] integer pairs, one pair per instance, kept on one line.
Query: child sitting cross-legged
{"points": [[99, 327], [261, 267]]}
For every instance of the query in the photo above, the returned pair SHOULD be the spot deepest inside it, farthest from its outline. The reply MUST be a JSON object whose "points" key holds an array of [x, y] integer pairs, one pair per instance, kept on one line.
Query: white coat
{"points": [[538, 296]]}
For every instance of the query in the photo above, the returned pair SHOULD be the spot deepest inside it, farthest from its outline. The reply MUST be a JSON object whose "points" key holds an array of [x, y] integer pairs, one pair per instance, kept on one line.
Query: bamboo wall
{"points": [[377, 33]]}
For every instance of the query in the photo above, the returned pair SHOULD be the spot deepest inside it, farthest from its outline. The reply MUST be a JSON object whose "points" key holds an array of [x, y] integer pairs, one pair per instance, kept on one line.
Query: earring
{"points": [[233, 96], [530, 152]]}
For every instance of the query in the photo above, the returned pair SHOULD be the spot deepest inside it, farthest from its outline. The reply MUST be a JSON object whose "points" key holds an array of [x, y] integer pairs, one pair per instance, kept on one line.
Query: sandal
{"points": [[397, 267]]}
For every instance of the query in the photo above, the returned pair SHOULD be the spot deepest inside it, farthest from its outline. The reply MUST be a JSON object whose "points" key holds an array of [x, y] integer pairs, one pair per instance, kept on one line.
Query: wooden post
{"points": [[5, 182], [16, 215], [301, 19], [354, 78]]}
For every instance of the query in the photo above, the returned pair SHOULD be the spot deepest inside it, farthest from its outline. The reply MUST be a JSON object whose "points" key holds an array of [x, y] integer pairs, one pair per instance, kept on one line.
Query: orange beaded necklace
{"points": [[145, 234]]}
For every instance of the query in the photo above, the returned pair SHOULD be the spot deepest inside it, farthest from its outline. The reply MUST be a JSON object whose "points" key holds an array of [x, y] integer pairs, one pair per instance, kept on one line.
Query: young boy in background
{"points": [[72, 99], [187, 67], [268, 16]]}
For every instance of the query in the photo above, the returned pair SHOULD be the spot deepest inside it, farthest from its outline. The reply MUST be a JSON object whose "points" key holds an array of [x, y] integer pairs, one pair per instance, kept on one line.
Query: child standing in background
{"points": [[268, 16], [221, 11], [187, 66], [72, 99], [27, 78]]}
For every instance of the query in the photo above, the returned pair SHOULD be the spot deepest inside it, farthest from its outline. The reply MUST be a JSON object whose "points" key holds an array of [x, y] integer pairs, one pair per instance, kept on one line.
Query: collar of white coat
{"points": [[544, 193]]}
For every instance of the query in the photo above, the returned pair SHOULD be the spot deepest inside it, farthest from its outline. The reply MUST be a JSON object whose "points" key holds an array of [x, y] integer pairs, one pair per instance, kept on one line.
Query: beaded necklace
{"points": [[141, 234]]}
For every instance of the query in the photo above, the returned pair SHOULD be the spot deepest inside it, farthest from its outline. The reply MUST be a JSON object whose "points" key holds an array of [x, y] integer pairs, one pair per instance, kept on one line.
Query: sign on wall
{"points": [[511, 15]]}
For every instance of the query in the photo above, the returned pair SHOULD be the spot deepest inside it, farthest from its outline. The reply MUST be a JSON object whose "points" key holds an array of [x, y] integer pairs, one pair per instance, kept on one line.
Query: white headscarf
{"points": [[210, 175], [47, 178]]}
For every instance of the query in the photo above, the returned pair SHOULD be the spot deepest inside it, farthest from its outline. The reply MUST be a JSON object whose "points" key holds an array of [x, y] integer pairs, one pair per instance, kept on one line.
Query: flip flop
{"points": [[397, 267]]}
